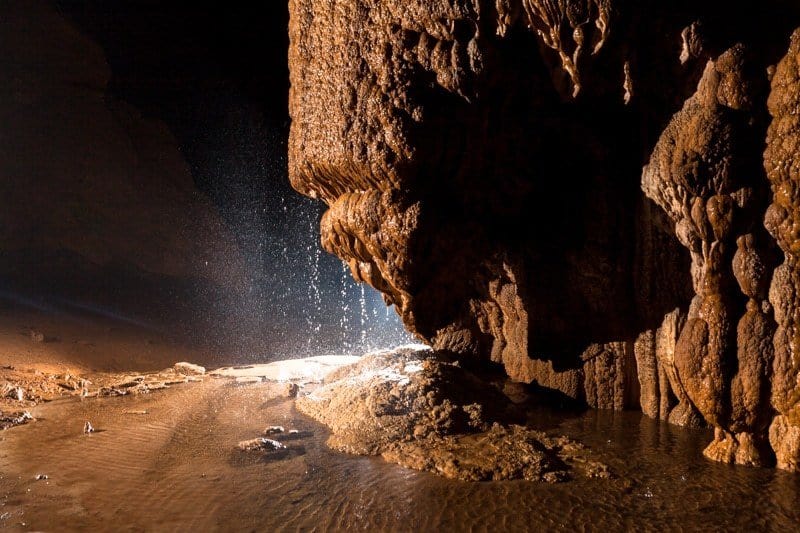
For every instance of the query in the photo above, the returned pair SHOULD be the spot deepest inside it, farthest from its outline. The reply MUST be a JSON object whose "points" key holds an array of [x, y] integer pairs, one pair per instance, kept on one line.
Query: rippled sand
{"points": [[175, 469]]}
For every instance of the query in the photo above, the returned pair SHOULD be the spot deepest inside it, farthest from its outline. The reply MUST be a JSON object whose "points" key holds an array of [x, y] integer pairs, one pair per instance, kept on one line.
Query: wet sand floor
{"points": [[175, 469]]}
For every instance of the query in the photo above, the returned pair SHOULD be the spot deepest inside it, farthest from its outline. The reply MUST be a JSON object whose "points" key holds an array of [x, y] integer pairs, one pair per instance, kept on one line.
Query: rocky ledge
{"points": [[482, 164]]}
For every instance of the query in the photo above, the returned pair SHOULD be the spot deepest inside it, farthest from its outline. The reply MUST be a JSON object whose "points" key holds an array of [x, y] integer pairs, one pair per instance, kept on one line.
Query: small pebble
{"points": [[88, 427], [260, 444], [189, 369], [292, 389]]}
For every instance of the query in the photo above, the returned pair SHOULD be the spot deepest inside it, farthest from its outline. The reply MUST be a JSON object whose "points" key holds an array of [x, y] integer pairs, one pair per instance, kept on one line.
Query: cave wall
{"points": [[782, 163], [574, 189], [86, 180], [706, 173]]}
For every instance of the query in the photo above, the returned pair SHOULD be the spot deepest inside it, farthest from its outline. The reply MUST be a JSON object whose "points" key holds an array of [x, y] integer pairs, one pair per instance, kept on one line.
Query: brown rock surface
{"points": [[9, 420], [501, 453], [784, 436], [782, 162], [415, 122], [421, 411], [402, 395], [27, 386], [482, 166], [705, 173]]}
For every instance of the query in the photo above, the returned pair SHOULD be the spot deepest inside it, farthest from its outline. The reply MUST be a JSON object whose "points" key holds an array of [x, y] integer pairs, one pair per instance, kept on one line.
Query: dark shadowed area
{"points": [[251, 280], [213, 215]]}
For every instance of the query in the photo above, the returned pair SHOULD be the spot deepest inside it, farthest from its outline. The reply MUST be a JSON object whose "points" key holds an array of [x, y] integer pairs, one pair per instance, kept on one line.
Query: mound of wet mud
{"points": [[423, 411]]}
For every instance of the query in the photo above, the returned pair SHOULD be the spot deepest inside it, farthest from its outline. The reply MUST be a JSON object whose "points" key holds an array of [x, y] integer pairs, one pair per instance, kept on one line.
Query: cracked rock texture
{"points": [[577, 190]]}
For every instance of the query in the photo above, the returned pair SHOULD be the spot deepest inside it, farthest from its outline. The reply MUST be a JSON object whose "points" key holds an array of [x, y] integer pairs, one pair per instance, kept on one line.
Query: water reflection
{"points": [[175, 469]]}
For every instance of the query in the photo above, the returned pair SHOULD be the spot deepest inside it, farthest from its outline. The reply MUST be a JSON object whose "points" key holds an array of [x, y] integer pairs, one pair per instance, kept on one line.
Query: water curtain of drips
{"points": [[363, 317], [338, 314], [301, 301], [314, 310], [344, 324]]}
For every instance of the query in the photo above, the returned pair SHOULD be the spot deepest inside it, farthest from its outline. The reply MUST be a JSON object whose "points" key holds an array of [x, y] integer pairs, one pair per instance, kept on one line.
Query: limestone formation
{"points": [[416, 409], [188, 369], [416, 122], [782, 162], [482, 165], [403, 395], [705, 172]]}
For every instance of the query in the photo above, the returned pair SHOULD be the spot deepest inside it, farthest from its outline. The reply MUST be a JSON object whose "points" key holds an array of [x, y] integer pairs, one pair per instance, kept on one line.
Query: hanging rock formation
{"points": [[482, 163]]}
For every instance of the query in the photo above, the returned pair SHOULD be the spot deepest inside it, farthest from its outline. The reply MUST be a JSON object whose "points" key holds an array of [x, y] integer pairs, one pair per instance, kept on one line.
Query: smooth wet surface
{"points": [[175, 468]]}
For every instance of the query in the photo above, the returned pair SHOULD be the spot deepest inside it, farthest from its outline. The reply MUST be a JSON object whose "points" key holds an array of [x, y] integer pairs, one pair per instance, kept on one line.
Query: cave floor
{"points": [[168, 461]]}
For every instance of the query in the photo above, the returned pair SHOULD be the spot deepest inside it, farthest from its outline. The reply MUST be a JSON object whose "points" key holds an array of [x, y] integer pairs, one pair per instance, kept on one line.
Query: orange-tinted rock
{"points": [[782, 162], [648, 374], [704, 173], [750, 387], [415, 123], [784, 436], [610, 377], [486, 178], [424, 412], [741, 448]]}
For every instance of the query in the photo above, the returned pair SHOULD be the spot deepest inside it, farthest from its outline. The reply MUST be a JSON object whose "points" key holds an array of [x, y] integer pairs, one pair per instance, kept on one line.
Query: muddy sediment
{"points": [[29, 386], [411, 406], [168, 460], [422, 411]]}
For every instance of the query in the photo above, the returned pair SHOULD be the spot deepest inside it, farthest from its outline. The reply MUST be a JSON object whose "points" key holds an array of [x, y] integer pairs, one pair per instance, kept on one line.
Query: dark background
{"points": [[217, 75]]}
